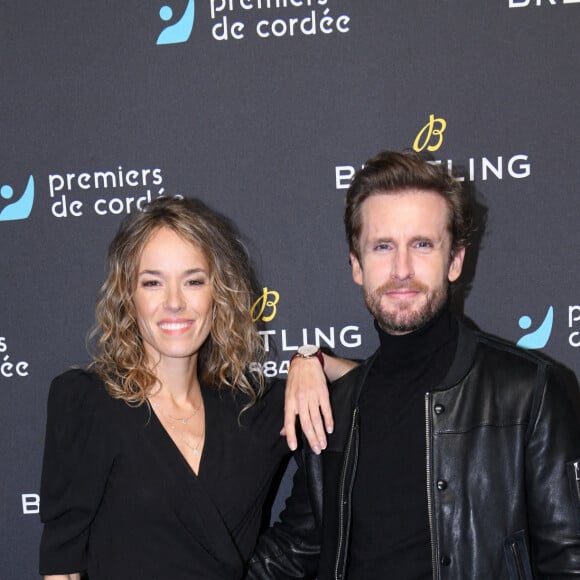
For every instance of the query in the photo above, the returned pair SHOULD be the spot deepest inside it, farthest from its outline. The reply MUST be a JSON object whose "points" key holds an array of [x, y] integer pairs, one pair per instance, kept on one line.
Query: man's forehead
{"points": [[408, 195], [406, 209]]}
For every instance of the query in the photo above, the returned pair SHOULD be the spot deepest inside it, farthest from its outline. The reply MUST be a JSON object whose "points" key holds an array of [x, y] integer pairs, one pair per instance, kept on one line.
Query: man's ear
{"points": [[357, 274], [456, 265]]}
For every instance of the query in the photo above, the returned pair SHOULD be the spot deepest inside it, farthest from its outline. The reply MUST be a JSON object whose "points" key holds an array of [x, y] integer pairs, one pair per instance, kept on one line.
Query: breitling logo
{"points": [[265, 307], [430, 137]]}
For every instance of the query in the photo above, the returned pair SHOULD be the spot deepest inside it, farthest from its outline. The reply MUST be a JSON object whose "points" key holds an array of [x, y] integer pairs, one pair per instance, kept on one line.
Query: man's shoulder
{"points": [[508, 352], [508, 363]]}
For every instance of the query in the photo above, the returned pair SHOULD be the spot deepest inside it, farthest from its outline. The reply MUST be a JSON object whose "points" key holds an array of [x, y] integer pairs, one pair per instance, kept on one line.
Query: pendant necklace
{"points": [[194, 448], [184, 421]]}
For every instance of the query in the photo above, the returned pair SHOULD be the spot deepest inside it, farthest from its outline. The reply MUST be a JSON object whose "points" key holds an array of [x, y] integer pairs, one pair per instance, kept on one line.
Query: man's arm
{"points": [[291, 547], [307, 397], [553, 477]]}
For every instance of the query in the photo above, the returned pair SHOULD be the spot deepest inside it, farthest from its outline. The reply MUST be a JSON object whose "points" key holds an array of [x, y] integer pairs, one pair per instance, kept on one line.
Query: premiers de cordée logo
{"points": [[74, 194], [235, 20], [11, 368], [538, 336], [101, 193]]}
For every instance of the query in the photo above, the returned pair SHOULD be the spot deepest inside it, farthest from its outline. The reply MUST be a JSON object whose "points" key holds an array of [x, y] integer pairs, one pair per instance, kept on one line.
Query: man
{"points": [[455, 455]]}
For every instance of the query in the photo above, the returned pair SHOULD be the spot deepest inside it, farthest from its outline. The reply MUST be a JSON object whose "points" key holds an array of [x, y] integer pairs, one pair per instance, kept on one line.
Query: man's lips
{"points": [[402, 293]]}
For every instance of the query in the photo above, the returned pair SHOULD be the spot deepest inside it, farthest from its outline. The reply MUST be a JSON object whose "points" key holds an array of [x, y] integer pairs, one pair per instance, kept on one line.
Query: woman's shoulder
{"points": [[268, 398], [273, 391], [77, 387], [78, 379], [269, 405]]}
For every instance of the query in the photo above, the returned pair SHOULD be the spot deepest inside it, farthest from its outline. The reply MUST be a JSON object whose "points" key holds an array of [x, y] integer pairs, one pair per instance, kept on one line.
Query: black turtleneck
{"points": [[390, 531]]}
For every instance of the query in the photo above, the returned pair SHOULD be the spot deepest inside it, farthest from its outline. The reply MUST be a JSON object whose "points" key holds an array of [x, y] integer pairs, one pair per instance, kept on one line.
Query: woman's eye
{"points": [[149, 283]]}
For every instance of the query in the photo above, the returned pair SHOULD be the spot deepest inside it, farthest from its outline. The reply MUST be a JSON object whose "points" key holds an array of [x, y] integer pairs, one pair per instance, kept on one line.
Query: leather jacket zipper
{"points": [[515, 550], [429, 477], [338, 575], [577, 475]]}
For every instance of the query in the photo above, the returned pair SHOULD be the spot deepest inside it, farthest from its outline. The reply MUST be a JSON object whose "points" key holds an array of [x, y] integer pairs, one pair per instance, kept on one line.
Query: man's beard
{"points": [[405, 318]]}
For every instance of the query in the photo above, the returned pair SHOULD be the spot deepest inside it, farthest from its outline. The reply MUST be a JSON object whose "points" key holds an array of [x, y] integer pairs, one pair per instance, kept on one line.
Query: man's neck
{"points": [[405, 348]]}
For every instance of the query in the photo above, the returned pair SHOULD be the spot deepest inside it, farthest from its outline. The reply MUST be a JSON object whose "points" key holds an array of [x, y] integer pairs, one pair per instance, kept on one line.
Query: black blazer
{"points": [[119, 500]]}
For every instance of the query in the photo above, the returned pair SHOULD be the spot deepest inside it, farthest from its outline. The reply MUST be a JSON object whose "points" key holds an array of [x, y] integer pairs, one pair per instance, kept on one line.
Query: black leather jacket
{"points": [[502, 468]]}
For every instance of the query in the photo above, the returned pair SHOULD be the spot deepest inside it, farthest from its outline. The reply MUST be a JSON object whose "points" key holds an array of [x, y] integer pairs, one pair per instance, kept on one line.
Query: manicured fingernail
{"points": [[330, 429], [316, 449], [323, 444], [292, 446]]}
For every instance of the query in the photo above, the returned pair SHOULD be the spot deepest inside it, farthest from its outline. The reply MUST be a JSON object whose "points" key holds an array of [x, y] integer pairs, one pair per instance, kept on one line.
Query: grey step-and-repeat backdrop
{"points": [[264, 109]]}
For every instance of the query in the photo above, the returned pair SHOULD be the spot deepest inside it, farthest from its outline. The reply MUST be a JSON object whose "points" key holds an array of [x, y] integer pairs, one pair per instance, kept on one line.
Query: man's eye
{"points": [[383, 246], [423, 244]]}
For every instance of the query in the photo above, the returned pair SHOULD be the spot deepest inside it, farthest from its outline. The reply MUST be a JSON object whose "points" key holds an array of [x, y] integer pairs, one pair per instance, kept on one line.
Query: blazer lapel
{"points": [[190, 502]]}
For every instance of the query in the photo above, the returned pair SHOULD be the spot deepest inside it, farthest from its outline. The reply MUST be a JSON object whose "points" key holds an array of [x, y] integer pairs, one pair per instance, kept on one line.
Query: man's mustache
{"points": [[408, 285]]}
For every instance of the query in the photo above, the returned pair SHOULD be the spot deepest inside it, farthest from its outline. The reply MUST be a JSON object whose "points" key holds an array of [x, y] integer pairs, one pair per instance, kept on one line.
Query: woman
{"points": [[159, 457]]}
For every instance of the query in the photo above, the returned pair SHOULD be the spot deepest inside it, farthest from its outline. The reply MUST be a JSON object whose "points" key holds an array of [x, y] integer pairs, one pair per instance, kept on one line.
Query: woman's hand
{"points": [[307, 397]]}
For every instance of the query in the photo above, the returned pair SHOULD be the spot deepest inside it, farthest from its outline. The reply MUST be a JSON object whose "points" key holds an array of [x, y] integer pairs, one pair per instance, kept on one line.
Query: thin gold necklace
{"points": [[184, 420], [194, 448]]}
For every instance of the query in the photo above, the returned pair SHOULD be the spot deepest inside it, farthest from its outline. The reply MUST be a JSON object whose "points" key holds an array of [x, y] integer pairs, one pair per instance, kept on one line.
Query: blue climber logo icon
{"points": [[178, 31], [19, 209], [536, 338]]}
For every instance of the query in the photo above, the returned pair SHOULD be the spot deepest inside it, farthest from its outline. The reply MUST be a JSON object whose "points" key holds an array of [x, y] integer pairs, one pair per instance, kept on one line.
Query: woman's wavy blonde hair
{"points": [[232, 354]]}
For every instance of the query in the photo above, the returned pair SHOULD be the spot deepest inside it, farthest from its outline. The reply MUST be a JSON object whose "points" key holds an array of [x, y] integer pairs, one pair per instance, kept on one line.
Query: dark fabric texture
{"points": [[119, 501], [390, 537]]}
